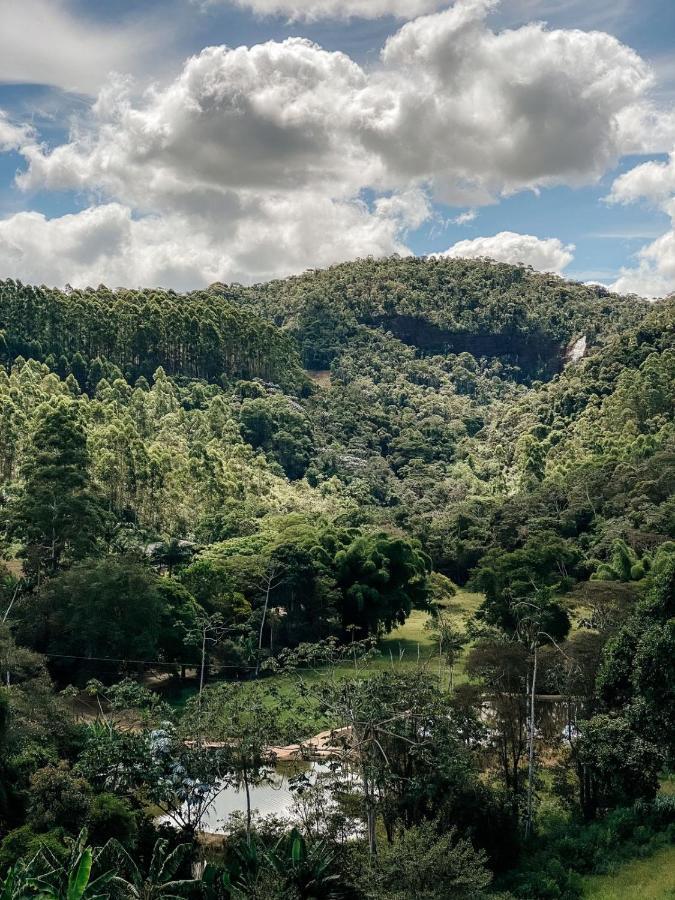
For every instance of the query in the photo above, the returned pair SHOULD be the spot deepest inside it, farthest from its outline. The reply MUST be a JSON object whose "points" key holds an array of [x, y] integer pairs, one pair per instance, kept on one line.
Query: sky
{"points": [[176, 143]]}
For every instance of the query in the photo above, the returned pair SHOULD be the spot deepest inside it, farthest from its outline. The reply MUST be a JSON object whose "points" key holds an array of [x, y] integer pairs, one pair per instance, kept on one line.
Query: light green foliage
{"points": [[166, 463], [648, 879], [422, 864], [56, 514], [161, 457]]}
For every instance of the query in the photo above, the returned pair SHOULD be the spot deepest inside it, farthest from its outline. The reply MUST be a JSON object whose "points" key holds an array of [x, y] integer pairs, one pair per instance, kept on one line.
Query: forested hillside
{"points": [[197, 335], [524, 318], [222, 494]]}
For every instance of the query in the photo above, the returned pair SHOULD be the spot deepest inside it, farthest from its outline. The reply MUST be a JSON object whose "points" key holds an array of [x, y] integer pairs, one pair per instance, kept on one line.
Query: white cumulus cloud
{"points": [[259, 158], [107, 244], [653, 181], [311, 10], [12, 136], [547, 255], [49, 42], [654, 274]]}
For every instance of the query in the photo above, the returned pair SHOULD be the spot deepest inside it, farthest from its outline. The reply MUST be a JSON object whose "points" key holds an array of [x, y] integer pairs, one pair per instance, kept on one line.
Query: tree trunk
{"points": [[530, 749], [371, 818], [201, 687], [248, 807], [262, 625]]}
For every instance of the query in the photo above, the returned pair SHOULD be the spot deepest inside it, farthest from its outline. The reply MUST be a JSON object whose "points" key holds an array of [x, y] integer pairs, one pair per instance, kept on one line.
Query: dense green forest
{"points": [[422, 506]]}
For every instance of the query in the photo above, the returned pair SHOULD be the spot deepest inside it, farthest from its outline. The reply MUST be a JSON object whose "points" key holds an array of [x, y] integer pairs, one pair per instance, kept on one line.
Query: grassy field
{"points": [[668, 785], [412, 644], [404, 649], [642, 879]]}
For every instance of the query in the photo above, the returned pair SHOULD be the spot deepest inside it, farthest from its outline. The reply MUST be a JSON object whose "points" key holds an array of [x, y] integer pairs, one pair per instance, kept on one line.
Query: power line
{"points": [[148, 662]]}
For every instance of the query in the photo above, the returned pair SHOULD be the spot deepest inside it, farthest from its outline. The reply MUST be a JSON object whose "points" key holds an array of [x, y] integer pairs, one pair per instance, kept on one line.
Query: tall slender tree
{"points": [[56, 513]]}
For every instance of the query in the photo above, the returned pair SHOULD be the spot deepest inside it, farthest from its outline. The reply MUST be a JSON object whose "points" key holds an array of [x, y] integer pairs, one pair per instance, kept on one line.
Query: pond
{"points": [[556, 720], [274, 797]]}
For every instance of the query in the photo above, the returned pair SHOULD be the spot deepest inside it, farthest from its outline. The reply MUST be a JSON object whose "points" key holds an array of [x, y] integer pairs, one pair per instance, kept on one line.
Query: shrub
{"points": [[111, 817], [24, 843], [553, 869]]}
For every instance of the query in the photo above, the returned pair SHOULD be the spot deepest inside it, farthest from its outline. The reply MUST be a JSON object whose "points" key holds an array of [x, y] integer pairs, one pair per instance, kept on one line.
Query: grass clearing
{"points": [[668, 785], [404, 649], [652, 878]]}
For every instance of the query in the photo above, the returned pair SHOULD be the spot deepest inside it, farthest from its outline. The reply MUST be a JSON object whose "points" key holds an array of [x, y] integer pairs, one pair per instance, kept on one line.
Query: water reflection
{"points": [[273, 797]]}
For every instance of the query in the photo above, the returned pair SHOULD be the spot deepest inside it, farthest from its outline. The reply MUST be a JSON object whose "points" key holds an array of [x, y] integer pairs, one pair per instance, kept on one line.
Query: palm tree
{"points": [[171, 553]]}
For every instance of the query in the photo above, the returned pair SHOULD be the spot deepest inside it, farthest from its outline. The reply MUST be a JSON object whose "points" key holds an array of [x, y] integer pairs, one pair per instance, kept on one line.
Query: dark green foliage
{"points": [[442, 305], [203, 335], [324, 578], [637, 670], [552, 871], [615, 764], [111, 817], [423, 864], [280, 427], [166, 876], [58, 799], [181, 499], [24, 843], [56, 512], [52, 875], [110, 610], [654, 683], [546, 561], [382, 578], [615, 677]]}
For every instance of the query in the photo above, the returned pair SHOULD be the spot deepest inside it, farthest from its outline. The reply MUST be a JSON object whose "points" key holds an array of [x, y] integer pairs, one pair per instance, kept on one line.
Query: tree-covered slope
{"points": [[178, 495], [490, 309], [198, 335], [436, 443]]}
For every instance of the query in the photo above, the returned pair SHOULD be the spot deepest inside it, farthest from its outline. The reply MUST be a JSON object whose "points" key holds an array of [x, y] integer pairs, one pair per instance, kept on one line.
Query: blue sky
{"points": [[533, 130]]}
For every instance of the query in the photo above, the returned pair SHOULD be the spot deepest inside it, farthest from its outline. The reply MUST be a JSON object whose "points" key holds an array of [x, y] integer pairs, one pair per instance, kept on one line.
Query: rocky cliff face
{"points": [[534, 353]]}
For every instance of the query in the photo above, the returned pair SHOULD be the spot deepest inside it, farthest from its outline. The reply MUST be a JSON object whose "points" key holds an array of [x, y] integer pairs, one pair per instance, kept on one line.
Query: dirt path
{"points": [[322, 746]]}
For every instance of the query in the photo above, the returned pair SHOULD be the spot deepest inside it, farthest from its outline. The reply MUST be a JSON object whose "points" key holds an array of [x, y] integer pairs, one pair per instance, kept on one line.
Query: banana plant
{"points": [[10, 883], [44, 877], [160, 882], [302, 869], [306, 868]]}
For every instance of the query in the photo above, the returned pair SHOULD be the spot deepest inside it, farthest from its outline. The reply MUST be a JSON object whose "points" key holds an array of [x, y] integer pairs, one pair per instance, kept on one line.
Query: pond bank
{"points": [[324, 745]]}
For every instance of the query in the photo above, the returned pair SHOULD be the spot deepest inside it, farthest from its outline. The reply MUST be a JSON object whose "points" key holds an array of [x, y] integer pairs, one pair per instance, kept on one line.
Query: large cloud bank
{"points": [[256, 162]]}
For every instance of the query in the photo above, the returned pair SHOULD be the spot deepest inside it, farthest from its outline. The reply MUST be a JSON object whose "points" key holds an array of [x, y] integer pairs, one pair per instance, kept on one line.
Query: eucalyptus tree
{"points": [[56, 513]]}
